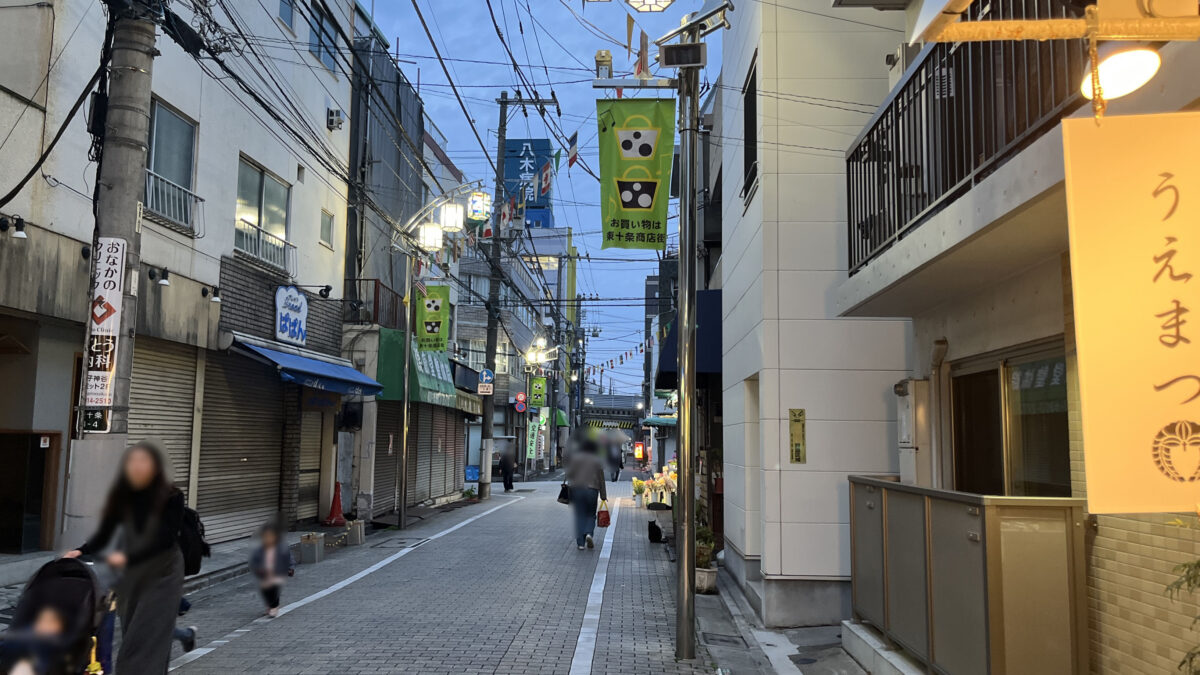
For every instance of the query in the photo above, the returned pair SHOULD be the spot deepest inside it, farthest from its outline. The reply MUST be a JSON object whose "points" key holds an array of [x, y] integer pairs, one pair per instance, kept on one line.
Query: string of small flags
{"points": [[620, 359]]}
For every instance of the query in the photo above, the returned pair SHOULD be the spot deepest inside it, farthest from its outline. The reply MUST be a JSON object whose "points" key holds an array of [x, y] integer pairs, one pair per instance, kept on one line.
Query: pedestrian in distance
{"points": [[149, 511], [508, 465], [585, 481], [616, 458], [271, 563]]}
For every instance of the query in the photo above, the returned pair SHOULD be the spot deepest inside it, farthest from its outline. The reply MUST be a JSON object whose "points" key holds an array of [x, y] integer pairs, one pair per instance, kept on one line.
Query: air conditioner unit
{"points": [[899, 61], [334, 119]]}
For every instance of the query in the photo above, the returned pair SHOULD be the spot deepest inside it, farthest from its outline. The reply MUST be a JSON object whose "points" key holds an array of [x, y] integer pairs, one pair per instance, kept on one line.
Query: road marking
{"points": [[210, 647], [585, 646]]}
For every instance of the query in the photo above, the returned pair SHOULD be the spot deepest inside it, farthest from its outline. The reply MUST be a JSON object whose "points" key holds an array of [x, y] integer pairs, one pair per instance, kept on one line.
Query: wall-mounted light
{"points": [[325, 291], [603, 64], [162, 277], [214, 295], [574, 377], [1124, 68], [17, 224]]}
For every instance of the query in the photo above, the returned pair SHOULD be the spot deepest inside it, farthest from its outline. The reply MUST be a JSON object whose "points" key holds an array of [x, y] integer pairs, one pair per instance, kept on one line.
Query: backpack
{"points": [[191, 542]]}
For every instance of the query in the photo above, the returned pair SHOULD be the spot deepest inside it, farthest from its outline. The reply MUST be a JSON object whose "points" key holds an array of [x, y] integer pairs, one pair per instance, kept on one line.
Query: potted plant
{"points": [[639, 488], [706, 572]]}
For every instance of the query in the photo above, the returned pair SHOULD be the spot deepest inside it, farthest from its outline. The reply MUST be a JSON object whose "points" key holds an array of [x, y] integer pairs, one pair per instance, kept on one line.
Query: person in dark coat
{"points": [[149, 511], [271, 563], [585, 483], [508, 465]]}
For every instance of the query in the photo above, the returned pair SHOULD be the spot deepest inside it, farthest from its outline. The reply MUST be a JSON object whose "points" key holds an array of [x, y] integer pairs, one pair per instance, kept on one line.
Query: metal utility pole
{"points": [[486, 436]]}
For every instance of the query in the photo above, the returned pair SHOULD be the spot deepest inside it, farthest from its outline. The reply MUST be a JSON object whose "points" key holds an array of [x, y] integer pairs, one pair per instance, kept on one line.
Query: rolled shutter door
{"points": [[414, 427], [425, 431], [312, 437], [437, 481], [388, 421], [162, 400], [241, 447], [460, 453]]}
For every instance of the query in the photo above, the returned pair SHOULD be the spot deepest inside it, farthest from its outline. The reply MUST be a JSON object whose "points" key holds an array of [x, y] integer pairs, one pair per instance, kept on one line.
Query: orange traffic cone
{"points": [[336, 519]]}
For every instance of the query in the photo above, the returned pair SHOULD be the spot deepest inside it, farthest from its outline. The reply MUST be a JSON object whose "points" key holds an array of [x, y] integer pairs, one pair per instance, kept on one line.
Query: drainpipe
{"points": [[937, 357]]}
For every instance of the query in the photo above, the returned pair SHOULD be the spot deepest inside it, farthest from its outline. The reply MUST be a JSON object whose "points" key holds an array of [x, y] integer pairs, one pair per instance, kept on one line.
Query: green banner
{"points": [[533, 433], [537, 392], [637, 142], [433, 319]]}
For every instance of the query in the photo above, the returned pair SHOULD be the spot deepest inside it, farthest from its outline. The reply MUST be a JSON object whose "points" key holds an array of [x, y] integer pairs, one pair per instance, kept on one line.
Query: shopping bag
{"points": [[602, 517], [564, 494]]}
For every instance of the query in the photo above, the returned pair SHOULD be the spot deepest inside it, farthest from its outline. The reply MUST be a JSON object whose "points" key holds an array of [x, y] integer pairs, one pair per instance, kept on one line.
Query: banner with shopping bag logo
{"points": [[637, 143], [433, 319]]}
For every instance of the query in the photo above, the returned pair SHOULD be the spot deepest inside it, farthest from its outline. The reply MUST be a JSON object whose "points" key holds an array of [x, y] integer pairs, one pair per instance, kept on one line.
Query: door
{"points": [[162, 400], [23, 484], [241, 447], [439, 453], [978, 433], [421, 454], [388, 430], [312, 439]]}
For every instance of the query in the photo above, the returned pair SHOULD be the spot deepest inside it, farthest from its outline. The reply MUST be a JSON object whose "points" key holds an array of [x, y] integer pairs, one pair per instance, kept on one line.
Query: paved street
{"points": [[496, 587]]}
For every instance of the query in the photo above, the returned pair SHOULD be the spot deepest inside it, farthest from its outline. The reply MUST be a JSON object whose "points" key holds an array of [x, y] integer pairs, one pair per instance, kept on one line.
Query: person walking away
{"points": [[271, 563], [585, 481], [616, 459], [149, 511], [508, 465]]}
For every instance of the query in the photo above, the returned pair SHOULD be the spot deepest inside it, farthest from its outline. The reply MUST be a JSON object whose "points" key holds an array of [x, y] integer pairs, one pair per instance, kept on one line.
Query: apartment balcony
{"points": [[172, 205], [264, 249], [959, 115], [370, 301]]}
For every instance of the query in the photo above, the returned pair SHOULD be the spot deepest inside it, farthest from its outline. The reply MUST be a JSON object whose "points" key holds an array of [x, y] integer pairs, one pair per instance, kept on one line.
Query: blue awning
{"points": [[708, 342], [317, 374]]}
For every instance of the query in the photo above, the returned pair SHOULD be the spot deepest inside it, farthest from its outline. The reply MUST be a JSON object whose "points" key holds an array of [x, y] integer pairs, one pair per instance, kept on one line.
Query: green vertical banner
{"points": [[637, 142], [537, 392], [433, 319]]}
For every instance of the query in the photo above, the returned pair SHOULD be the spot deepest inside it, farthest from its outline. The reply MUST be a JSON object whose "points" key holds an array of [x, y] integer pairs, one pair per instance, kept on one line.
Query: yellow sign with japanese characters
{"points": [[1133, 200], [796, 434]]}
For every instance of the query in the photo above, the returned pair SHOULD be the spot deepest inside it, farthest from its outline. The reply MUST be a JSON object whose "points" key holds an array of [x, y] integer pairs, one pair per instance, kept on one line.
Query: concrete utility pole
{"points": [[122, 181], [554, 375], [486, 437]]}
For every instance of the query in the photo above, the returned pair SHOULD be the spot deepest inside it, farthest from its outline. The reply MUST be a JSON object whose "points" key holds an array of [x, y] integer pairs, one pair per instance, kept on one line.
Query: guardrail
{"points": [[172, 204], [960, 111], [262, 246], [972, 584]]}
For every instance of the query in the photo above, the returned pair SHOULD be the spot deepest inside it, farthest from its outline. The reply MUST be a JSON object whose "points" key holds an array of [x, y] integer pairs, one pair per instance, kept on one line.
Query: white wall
{"points": [[782, 259]]}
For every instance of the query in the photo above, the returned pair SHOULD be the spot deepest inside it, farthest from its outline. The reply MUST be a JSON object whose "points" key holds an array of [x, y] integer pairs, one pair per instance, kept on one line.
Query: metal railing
{"points": [[370, 301], [960, 111], [171, 203], [264, 247]]}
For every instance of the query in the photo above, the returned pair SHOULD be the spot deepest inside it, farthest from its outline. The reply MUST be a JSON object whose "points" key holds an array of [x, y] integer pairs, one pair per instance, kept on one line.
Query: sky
{"points": [[556, 51]]}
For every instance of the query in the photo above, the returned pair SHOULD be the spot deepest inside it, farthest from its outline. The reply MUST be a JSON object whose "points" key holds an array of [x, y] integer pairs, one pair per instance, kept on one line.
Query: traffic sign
{"points": [[485, 389], [521, 397], [520, 406], [486, 376]]}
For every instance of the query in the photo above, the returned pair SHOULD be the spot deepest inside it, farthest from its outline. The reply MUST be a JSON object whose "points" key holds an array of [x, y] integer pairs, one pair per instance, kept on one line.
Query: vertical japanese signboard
{"points": [[528, 175], [537, 392], [108, 288], [433, 319], [797, 436], [637, 142], [1133, 199]]}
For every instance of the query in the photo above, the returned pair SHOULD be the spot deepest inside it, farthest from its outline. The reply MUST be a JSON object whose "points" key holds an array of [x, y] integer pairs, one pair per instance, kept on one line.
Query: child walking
{"points": [[271, 562]]}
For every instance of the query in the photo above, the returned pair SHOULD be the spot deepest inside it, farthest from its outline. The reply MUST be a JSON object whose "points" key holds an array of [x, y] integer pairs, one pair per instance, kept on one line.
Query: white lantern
{"points": [[429, 237], [650, 5], [479, 206], [452, 217]]}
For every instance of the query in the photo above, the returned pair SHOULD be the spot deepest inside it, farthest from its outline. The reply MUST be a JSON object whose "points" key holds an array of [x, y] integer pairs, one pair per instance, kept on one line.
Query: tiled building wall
{"points": [[1135, 628], [248, 306]]}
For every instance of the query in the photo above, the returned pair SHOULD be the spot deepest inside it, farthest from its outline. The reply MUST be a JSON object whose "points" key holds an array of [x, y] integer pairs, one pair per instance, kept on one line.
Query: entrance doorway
{"points": [[27, 489]]}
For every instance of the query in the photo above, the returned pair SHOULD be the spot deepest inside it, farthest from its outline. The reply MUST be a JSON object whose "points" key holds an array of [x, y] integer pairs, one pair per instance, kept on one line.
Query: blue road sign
{"points": [[520, 406], [486, 376], [472, 474]]}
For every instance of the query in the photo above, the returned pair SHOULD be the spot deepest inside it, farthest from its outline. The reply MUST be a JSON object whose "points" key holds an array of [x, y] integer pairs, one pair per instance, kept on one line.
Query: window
{"points": [[1010, 426], [327, 228], [172, 143], [322, 43], [262, 200], [477, 354], [750, 132], [287, 13]]}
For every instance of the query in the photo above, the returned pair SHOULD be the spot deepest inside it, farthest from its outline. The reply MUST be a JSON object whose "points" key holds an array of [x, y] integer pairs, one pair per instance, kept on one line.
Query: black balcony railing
{"points": [[960, 112], [370, 301]]}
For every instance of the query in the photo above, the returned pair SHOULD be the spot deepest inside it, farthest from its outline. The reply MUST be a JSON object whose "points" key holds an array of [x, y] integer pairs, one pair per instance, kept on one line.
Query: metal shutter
{"points": [[312, 437], [439, 453], [162, 400], [389, 418], [460, 453], [240, 446], [413, 426], [424, 453]]}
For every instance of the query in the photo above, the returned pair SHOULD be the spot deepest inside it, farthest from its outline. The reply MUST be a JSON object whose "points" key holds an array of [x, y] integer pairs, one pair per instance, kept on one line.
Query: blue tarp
{"points": [[318, 374]]}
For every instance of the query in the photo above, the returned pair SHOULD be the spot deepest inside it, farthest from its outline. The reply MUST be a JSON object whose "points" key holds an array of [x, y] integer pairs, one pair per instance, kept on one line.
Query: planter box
{"points": [[355, 533], [312, 547], [706, 580]]}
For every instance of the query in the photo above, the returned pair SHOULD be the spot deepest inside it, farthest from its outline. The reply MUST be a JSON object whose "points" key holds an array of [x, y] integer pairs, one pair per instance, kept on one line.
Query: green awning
{"points": [[430, 379], [469, 403], [562, 418], [660, 421]]}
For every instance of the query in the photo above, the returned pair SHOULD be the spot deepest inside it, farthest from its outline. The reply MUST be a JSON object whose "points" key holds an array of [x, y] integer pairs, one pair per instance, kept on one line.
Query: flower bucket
{"points": [[637, 501]]}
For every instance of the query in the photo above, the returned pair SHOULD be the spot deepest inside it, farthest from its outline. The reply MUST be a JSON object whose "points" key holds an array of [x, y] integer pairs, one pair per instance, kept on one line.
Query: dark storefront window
{"points": [[1010, 426]]}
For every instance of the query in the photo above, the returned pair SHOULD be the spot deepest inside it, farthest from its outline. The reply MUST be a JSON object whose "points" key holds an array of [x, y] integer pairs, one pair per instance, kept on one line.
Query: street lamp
{"points": [[430, 236], [640, 405], [452, 217], [1124, 68]]}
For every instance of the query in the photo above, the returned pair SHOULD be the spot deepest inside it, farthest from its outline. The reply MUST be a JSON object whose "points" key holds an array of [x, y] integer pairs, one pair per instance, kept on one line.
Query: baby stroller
{"points": [[71, 592]]}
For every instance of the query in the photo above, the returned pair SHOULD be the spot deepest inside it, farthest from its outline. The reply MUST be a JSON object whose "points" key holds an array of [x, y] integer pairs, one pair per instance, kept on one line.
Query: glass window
{"points": [[321, 41], [287, 13], [750, 130], [172, 144], [249, 195], [262, 199], [327, 227]]}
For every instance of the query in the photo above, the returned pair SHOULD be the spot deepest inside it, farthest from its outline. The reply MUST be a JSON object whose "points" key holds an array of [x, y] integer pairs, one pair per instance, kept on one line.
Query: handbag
{"points": [[602, 516], [564, 494]]}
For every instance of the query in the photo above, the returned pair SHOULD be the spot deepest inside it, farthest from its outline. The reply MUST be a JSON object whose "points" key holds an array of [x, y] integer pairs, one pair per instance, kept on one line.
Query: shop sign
{"points": [[537, 392], [291, 315], [433, 319], [104, 329], [798, 445], [637, 145], [1133, 202]]}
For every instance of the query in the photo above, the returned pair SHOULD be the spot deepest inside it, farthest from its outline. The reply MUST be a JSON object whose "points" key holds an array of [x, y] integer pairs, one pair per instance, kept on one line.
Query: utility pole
{"points": [[557, 309], [487, 442], [122, 182]]}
